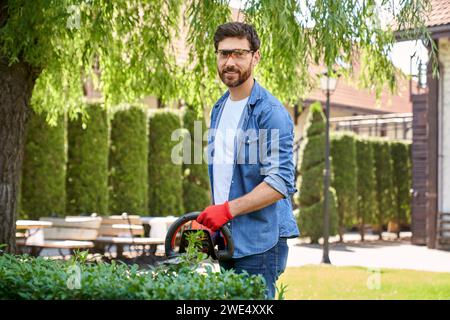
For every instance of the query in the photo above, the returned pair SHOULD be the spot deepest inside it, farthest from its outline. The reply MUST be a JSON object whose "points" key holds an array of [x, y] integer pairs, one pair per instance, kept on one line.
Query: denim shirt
{"points": [[263, 152]]}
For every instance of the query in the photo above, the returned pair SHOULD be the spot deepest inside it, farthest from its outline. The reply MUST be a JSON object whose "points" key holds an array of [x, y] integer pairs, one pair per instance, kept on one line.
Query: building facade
{"points": [[431, 142]]}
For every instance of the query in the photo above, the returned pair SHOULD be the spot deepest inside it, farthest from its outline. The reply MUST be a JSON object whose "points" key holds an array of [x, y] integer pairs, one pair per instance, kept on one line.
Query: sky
{"points": [[402, 52]]}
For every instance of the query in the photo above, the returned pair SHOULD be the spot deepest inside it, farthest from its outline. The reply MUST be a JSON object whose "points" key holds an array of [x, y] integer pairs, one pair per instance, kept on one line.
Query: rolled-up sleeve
{"points": [[276, 149]]}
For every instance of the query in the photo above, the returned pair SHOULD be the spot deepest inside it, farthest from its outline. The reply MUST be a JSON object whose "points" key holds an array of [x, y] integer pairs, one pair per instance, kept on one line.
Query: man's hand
{"points": [[215, 216]]}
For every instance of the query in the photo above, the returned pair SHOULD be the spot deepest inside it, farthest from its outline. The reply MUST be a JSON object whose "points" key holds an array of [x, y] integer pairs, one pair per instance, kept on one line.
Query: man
{"points": [[251, 165]]}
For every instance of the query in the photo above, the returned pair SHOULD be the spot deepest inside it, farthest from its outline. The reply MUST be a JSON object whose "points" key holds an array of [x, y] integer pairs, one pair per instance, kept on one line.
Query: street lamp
{"points": [[328, 85]]}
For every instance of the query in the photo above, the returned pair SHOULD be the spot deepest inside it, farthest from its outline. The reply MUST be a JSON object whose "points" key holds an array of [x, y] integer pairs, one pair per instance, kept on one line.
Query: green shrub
{"points": [[311, 218], [165, 176], [312, 166], [343, 155], [196, 192], [366, 183], [316, 155], [401, 158], [311, 187], [409, 152], [87, 166], [43, 190], [384, 181], [28, 278], [128, 162]]}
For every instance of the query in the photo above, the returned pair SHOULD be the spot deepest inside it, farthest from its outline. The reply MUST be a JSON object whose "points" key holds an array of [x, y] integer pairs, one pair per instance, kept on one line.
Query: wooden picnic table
{"points": [[32, 224], [34, 240], [33, 232]]}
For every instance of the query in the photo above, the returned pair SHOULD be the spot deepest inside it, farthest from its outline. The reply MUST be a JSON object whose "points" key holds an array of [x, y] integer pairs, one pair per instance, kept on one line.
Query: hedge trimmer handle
{"points": [[222, 255]]}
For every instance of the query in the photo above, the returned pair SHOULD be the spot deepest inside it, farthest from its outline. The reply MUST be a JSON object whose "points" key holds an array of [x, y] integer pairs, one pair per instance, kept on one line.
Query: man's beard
{"points": [[236, 79]]}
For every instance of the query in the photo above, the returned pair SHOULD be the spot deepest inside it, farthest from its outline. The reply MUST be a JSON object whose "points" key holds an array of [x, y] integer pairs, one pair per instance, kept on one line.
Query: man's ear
{"points": [[256, 58]]}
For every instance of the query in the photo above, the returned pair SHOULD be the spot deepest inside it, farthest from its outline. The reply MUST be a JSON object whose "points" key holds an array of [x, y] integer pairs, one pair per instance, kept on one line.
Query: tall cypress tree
{"points": [[402, 182], [165, 177], [87, 165], [366, 183], [196, 192], [312, 167], [128, 162], [385, 186], [343, 154], [43, 185]]}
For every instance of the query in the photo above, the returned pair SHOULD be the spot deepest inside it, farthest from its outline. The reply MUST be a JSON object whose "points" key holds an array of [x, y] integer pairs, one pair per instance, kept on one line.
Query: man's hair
{"points": [[237, 30]]}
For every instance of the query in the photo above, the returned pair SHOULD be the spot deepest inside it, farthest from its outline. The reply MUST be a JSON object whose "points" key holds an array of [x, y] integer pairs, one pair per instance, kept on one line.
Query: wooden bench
{"points": [[71, 233], [124, 230]]}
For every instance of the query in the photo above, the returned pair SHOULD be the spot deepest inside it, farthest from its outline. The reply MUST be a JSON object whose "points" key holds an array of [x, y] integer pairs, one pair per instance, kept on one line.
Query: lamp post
{"points": [[328, 85]]}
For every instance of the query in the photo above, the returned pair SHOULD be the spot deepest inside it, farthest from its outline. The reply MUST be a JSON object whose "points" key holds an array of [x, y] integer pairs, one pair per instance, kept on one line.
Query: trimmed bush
{"points": [[43, 190], [401, 158], [312, 168], [311, 218], [409, 152], [196, 192], [384, 182], [343, 155], [87, 166], [366, 183], [312, 181], [28, 278], [128, 162], [165, 176], [315, 155]]}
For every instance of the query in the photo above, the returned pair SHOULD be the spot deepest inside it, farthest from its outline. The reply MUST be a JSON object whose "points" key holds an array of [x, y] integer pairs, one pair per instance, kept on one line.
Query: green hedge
{"points": [[27, 278], [165, 176], [196, 192], [366, 183], [43, 191], [87, 166], [384, 182], [401, 158], [343, 155], [311, 218], [409, 152], [128, 162], [312, 167]]}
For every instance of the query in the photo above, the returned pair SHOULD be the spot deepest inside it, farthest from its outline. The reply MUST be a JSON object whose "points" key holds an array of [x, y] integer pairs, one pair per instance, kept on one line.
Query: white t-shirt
{"points": [[223, 159]]}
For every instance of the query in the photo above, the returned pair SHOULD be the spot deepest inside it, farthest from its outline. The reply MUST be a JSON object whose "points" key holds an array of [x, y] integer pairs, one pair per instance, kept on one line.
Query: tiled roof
{"points": [[349, 95], [440, 13]]}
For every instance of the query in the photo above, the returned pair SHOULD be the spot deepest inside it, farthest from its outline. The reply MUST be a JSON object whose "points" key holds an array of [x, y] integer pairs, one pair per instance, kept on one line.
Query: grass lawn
{"points": [[331, 282]]}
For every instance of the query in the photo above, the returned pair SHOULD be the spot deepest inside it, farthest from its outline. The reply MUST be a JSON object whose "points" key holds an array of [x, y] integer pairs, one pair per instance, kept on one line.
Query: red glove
{"points": [[215, 216]]}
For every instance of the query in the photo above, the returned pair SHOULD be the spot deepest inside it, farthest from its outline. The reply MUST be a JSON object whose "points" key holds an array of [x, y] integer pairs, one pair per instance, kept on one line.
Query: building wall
{"points": [[426, 168], [336, 112], [420, 170], [444, 130]]}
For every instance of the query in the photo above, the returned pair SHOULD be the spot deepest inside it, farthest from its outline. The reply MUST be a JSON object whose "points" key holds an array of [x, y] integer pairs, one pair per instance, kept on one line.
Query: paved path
{"points": [[398, 254]]}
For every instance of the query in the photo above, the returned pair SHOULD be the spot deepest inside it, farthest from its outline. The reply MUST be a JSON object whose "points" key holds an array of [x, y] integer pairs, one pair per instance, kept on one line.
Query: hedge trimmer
{"points": [[217, 245]]}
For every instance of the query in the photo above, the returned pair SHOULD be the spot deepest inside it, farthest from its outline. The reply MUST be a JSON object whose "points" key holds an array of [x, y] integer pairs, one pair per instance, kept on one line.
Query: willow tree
{"points": [[48, 48]]}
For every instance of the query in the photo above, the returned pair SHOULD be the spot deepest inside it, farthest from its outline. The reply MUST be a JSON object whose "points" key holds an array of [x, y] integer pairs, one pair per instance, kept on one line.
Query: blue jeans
{"points": [[270, 264]]}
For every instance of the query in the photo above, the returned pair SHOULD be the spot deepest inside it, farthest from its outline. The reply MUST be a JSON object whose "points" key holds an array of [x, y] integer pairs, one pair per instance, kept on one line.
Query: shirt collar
{"points": [[255, 95]]}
